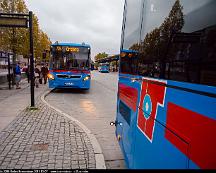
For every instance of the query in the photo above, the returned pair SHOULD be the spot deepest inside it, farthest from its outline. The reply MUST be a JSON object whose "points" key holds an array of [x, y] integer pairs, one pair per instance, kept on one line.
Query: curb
{"points": [[99, 157]]}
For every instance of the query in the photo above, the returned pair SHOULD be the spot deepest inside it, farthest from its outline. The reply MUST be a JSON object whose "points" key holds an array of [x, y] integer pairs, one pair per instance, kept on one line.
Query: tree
{"points": [[5, 35], [172, 24], [100, 56], [150, 46], [36, 36], [44, 43], [156, 42], [16, 40], [13, 37], [135, 46]]}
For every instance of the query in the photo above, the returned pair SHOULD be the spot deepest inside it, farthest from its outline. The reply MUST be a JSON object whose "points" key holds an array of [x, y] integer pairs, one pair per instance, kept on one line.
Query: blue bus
{"points": [[70, 66], [104, 67], [166, 106]]}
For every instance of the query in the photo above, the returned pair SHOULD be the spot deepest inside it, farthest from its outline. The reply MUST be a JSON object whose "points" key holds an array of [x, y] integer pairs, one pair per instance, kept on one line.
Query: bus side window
{"points": [[183, 65], [149, 69], [125, 66], [131, 36], [129, 65], [194, 62], [190, 57], [208, 72]]}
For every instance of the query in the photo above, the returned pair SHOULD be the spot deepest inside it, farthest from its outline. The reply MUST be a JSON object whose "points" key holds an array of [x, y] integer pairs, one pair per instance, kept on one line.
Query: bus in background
{"points": [[69, 66], [166, 106], [104, 67]]}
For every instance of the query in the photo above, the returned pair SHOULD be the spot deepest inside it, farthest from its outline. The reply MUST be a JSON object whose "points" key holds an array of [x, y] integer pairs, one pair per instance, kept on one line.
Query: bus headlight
{"points": [[86, 78], [51, 76]]}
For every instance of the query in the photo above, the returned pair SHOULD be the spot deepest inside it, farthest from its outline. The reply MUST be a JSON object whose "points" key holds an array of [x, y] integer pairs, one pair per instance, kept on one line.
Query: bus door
{"points": [[128, 88]]}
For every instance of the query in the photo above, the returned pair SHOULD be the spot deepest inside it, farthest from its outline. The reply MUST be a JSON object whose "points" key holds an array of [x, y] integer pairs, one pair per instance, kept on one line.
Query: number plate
{"points": [[68, 83]]}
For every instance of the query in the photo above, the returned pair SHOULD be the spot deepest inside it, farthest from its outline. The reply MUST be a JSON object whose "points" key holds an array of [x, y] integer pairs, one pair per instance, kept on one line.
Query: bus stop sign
{"points": [[13, 21]]}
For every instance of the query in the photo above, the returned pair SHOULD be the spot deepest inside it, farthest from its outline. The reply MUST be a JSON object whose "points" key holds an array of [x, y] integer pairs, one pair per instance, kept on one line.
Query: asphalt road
{"points": [[95, 109]]}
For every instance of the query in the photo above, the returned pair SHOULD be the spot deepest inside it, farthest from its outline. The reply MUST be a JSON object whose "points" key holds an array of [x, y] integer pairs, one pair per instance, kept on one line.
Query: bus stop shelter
{"points": [[112, 58], [6, 70]]}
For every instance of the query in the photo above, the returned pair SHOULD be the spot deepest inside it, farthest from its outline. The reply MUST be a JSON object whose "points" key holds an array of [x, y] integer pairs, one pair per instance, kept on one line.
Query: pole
{"points": [[28, 70], [9, 75], [31, 59]]}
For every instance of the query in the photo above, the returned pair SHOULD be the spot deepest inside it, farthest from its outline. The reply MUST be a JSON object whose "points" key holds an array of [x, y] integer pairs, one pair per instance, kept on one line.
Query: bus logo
{"points": [[147, 106], [152, 94]]}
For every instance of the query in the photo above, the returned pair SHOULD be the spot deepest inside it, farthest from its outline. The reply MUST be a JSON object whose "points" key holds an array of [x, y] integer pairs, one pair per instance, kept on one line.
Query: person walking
{"points": [[44, 72], [37, 76], [26, 70], [17, 73]]}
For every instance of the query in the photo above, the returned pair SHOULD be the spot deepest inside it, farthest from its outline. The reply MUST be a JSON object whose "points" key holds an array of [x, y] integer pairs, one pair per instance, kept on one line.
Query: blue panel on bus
{"points": [[75, 80], [158, 154], [167, 80], [71, 44]]}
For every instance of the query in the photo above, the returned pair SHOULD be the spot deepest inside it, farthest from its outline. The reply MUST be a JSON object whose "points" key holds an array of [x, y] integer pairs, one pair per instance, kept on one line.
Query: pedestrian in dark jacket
{"points": [[44, 72], [37, 76]]}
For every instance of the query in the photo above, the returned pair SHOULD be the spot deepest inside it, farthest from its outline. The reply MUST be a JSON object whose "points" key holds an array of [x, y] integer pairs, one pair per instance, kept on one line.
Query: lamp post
{"points": [[31, 59]]}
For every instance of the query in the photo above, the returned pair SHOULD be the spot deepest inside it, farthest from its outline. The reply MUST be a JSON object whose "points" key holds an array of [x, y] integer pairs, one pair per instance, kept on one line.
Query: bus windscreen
{"points": [[65, 57]]}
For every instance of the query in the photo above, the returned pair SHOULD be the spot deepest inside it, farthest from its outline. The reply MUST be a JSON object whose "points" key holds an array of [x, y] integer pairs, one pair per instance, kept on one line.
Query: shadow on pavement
{"points": [[71, 90]]}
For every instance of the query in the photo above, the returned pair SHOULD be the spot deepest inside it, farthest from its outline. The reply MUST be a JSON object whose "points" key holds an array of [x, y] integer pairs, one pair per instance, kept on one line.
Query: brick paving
{"points": [[43, 139], [5, 92], [95, 108]]}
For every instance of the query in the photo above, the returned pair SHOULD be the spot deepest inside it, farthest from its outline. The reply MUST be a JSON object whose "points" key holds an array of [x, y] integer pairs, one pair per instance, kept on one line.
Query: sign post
{"points": [[15, 20], [31, 59], [9, 74]]}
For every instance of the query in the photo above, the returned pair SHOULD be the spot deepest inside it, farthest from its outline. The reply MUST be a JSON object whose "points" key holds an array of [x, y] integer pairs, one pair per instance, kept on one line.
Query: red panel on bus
{"points": [[128, 95], [197, 130], [147, 115]]}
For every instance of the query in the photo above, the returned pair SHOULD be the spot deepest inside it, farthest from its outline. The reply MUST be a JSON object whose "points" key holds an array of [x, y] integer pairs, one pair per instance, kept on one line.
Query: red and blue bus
{"points": [[70, 66], [166, 106]]}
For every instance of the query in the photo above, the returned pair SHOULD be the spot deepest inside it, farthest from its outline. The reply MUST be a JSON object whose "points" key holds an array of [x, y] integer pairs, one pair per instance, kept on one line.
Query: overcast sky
{"points": [[96, 22]]}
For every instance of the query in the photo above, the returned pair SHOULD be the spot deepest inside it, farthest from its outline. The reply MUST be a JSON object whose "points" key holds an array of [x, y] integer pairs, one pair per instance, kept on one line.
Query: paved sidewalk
{"points": [[43, 139], [13, 101], [5, 92], [40, 139]]}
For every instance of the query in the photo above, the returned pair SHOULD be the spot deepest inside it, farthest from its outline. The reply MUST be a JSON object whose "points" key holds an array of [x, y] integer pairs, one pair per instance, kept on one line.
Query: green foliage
{"points": [[100, 56], [135, 46], [152, 41], [16, 40], [156, 42], [114, 63]]}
